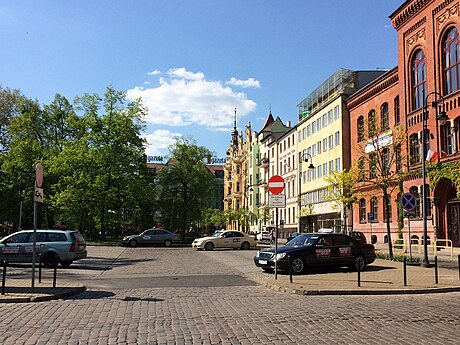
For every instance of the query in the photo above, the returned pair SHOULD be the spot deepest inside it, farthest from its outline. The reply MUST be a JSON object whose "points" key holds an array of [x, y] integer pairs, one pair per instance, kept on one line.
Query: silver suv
{"points": [[61, 246]]}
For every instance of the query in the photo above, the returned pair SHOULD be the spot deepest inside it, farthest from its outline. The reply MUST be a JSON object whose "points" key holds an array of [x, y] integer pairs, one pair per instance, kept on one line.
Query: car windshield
{"points": [[217, 234], [302, 240]]}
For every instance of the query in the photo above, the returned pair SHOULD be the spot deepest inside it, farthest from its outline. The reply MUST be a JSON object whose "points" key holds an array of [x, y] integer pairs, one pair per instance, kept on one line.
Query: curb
{"points": [[45, 297]]}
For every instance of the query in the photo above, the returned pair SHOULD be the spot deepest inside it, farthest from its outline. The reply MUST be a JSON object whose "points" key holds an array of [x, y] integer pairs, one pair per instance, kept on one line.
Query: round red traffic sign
{"points": [[276, 184], [38, 175]]}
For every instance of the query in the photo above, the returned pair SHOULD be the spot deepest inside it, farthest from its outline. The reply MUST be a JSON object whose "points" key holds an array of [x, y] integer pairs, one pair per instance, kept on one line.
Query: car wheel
{"points": [[297, 265], [132, 243], [359, 262], [50, 259], [168, 243], [209, 246], [66, 263], [245, 245]]}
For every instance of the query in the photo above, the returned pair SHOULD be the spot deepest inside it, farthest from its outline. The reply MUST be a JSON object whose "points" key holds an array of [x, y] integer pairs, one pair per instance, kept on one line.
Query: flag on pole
{"points": [[431, 156]]}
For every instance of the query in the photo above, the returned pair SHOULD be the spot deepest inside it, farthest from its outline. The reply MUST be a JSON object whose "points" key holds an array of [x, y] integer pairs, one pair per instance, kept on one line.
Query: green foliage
{"points": [[448, 170], [185, 185], [399, 258]]}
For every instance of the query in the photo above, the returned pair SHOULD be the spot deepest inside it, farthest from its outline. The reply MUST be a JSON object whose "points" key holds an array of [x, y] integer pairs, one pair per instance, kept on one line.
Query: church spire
{"points": [[235, 133]]}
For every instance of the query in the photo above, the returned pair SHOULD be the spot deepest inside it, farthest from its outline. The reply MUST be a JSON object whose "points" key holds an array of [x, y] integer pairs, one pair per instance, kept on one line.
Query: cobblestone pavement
{"points": [[222, 314]]}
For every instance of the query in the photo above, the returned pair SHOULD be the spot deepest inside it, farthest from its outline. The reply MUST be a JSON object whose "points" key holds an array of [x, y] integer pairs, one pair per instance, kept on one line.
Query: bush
{"points": [[399, 258]]}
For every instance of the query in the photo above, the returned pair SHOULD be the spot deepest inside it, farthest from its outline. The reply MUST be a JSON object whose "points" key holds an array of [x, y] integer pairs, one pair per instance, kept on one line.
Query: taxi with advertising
{"points": [[317, 250], [225, 239]]}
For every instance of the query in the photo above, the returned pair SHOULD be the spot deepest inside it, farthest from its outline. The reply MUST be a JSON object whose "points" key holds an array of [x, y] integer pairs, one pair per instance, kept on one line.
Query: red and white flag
{"points": [[432, 155]]}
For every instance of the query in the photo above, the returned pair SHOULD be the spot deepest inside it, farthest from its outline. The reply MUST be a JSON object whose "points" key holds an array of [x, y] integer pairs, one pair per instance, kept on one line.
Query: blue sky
{"points": [[193, 62]]}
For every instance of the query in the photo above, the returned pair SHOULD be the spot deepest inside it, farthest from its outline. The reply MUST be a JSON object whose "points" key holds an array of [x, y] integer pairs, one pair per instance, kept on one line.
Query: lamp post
{"points": [[441, 117], [302, 157]]}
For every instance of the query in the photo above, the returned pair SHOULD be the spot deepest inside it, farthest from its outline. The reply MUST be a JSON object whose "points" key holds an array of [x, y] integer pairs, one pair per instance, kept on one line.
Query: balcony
{"points": [[264, 162]]}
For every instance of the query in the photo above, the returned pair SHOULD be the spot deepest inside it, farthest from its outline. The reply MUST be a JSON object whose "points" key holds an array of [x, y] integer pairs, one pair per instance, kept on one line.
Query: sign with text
{"points": [[276, 200]]}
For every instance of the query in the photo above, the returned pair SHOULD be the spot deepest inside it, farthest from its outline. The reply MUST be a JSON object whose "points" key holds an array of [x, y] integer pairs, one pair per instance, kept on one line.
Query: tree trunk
{"points": [[387, 212]]}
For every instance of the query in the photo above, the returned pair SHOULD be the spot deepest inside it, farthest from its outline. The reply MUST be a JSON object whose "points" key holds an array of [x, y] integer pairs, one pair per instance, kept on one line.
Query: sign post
{"points": [[276, 186], [38, 198], [408, 202]]}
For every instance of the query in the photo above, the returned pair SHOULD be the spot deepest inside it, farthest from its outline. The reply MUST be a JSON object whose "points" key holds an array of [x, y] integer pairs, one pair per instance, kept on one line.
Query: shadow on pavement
{"points": [[327, 270]]}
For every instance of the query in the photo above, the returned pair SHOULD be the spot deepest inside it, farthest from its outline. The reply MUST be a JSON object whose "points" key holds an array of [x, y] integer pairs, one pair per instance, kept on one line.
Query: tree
{"points": [[185, 184], [340, 191], [383, 156], [10, 104]]}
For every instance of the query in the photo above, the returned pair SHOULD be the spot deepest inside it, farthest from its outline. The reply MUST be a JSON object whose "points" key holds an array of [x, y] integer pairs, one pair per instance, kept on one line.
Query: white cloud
{"points": [[251, 82], [187, 98], [183, 73], [147, 83], [154, 72], [159, 141]]}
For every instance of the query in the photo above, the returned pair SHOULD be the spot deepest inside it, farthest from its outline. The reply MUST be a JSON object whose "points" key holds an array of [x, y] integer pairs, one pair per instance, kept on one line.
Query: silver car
{"points": [[55, 246], [152, 236]]}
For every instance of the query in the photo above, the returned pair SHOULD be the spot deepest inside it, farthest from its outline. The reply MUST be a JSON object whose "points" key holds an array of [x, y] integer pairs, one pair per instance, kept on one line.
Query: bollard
{"points": [[405, 271], [39, 267], [4, 277], [436, 270], [359, 275], [56, 262], [290, 268]]}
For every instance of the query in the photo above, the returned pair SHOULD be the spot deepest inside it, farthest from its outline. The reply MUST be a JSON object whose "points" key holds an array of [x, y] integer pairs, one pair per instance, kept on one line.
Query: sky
{"points": [[193, 62]]}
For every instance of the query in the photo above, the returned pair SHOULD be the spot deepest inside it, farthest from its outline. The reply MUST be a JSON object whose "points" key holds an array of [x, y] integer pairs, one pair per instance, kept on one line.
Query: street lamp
{"points": [[441, 117], [302, 158]]}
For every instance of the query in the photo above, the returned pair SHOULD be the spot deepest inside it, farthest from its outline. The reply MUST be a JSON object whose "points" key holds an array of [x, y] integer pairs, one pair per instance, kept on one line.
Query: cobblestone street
{"points": [[222, 314]]}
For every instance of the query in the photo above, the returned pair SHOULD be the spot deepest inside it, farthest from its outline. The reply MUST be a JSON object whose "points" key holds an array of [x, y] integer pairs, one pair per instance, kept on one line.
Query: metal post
{"points": [[436, 270], [34, 245], [56, 261], [359, 275], [299, 227], [290, 268], [39, 267], [410, 239], [425, 262], [405, 271], [276, 243], [4, 277]]}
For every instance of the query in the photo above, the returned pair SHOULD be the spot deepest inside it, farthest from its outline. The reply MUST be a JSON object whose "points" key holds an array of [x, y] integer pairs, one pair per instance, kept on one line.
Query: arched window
{"points": [[384, 117], [361, 172], [447, 144], [418, 79], [451, 61], [372, 165], [371, 123], [362, 211], [360, 128], [414, 191], [375, 208], [414, 149]]}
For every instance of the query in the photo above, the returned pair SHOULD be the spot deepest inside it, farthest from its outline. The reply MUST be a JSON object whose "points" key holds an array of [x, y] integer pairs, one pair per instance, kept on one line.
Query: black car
{"points": [[317, 250]]}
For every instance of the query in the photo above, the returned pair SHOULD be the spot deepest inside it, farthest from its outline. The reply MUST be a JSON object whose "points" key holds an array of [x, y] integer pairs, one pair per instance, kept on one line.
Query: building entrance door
{"points": [[453, 210]]}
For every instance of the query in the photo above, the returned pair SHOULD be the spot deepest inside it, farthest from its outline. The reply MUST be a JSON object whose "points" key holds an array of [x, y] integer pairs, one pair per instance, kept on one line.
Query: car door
{"points": [[342, 253], [12, 248], [324, 251], [158, 236], [147, 237]]}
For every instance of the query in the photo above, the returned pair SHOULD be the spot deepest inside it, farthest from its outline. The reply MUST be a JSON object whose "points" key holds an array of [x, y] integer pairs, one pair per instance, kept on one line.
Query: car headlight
{"points": [[280, 256]]}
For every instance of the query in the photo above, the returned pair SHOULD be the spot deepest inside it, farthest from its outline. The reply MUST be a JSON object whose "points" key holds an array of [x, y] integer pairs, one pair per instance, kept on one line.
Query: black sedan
{"points": [[152, 236], [317, 250]]}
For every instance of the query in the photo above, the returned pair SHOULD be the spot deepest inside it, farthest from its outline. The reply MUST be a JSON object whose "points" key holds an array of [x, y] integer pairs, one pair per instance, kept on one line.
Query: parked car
{"points": [[263, 236], [152, 236], [357, 235], [317, 250], [55, 246], [225, 239]]}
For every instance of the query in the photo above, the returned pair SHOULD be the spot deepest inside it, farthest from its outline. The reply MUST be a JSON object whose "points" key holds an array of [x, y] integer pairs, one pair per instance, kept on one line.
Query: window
{"points": [[324, 169], [447, 139], [318, 146], [324, 144], [451, 61], [375, 208], [336, 112], [300, 136], [313, 127], [418, 79], [337, 164], [303, 133], [331, 142], [414, 149], [397, 111], [324, 120], [371, 123], [318, 124], [362, 211], [398, 158], [414, 191], [308, 130], [331, 166], [372, 165], [361, 171], [360, 128], [384, 117], [313, 148], [385, 209], [386, 161], [337, 138], [319, 171]]}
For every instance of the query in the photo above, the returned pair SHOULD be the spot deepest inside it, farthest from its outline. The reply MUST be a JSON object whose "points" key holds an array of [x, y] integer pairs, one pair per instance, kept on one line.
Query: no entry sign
{"points": [[276, 184]]}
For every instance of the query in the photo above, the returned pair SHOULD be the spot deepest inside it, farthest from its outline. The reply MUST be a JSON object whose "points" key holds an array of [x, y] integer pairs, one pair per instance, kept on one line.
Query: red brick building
{"points": [[409, 99]]}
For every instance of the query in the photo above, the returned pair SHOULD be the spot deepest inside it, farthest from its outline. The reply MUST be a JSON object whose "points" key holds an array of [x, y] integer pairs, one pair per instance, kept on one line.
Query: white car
{"points": [[263, 236], [225, 239]]}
